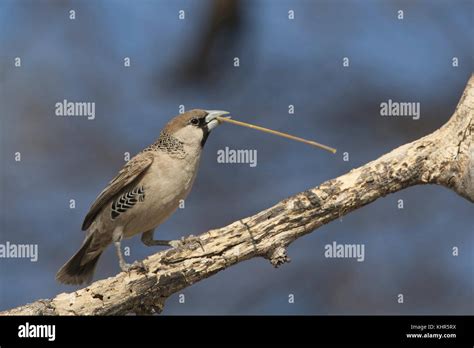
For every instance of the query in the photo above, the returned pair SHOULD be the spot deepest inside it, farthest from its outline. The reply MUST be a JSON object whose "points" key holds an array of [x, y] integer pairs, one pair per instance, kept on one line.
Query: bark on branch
{"points": [[444, 157]]}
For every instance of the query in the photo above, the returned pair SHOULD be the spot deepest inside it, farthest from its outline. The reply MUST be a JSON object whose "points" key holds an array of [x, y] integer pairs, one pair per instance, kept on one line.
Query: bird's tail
{"points": [[80, 268]]}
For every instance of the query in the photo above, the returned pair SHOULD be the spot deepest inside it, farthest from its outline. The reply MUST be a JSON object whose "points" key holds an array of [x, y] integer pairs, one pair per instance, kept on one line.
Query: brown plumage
{"points": [[145, 192]]}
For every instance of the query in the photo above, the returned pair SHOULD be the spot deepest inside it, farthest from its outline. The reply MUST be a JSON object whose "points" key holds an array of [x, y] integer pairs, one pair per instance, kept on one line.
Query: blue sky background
{"points": [[282, 62]]}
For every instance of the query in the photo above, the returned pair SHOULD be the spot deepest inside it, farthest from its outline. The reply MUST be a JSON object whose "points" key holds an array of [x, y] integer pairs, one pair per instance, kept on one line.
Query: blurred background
{"points": [[283, 62]]}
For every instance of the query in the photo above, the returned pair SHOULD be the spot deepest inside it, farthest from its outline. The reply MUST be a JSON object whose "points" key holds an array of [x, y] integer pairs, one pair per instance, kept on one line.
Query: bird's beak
{"points": [[211, 118]]}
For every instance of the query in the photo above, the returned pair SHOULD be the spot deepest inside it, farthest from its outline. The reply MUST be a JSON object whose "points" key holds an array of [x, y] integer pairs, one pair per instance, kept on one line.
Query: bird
{"points": [[144, 193]]}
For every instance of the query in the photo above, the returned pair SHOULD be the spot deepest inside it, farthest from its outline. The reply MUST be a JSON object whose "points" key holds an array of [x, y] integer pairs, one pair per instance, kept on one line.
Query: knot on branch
{"points": [[278, 256]]}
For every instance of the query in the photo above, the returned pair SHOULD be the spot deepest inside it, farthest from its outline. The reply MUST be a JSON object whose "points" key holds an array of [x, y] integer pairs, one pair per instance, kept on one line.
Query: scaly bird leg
{"points": [[124, 266]]}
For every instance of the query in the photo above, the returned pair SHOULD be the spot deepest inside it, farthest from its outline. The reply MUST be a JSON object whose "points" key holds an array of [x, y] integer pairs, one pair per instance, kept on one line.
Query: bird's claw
{"points": [[187, 242], [138, 266]]}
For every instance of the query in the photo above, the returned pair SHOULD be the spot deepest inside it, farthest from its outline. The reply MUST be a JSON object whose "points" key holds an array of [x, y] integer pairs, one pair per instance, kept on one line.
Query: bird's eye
{"points": [[194, 121]]}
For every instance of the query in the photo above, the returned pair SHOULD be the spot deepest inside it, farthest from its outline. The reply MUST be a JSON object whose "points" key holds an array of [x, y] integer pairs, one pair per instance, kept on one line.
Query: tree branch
{"points": [[444, 157]]}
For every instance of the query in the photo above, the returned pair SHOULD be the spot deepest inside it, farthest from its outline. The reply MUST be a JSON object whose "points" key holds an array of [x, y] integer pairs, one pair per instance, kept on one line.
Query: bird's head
{"points": [[193, 127]]}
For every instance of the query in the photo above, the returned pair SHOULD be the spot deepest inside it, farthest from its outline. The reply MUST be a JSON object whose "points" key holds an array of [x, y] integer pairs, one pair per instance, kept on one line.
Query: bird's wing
{"points": [[129, 173]]}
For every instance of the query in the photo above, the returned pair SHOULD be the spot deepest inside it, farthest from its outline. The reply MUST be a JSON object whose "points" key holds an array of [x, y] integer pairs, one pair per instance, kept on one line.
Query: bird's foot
{"points": [[138, 266], [190, 242]]}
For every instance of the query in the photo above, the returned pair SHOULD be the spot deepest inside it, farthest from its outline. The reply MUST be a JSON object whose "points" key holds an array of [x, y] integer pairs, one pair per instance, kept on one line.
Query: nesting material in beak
{"points": [[271, 131]]}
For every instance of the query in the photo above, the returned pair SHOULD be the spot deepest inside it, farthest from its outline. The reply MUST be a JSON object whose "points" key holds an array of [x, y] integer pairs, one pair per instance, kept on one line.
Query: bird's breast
{"points": [[165, 184]]}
